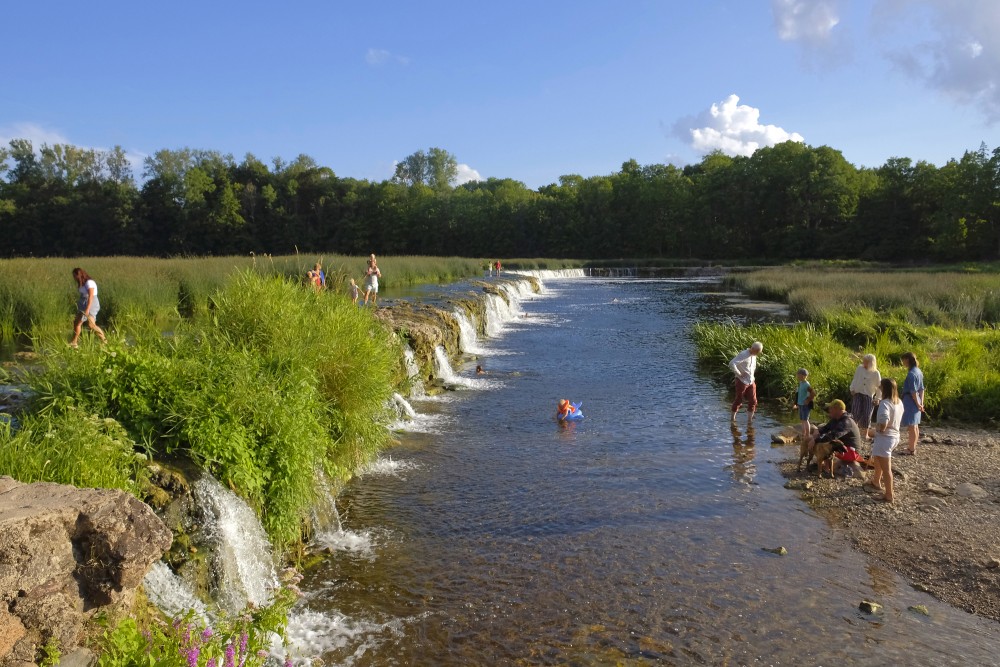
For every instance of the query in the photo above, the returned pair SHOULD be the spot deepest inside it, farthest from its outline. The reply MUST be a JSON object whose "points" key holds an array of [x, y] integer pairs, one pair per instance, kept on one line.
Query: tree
{"points": [[436, 168]]}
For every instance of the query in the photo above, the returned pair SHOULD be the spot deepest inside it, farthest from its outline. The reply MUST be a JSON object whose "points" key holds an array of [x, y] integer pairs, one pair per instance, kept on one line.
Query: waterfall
{"points": [[171, 594], [329, 531], [241, 557], [445, 373], [413, 373], [468, 339], [547, 274], [498, 312], [403, 407]]}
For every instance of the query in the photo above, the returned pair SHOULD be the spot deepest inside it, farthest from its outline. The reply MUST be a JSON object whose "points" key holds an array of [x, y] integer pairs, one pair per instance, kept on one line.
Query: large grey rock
{"points": [[970, 490], [64, 554], [937, 489]]}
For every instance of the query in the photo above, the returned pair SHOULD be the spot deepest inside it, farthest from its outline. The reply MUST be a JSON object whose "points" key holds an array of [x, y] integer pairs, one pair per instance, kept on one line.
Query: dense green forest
{"points": [[786, 201]]}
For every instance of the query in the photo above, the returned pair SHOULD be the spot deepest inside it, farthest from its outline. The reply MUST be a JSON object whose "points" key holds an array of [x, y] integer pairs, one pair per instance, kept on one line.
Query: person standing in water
{"points": [[744, 366], [372, 274], [87, 307]]}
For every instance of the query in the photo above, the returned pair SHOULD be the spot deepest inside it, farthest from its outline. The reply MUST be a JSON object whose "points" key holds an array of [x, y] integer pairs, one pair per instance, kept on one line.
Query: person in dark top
{"points": [[842, 431]]}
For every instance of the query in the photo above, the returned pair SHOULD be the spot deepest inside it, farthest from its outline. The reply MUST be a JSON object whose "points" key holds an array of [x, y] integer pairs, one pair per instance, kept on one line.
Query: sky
{"points": [[515, 89]]}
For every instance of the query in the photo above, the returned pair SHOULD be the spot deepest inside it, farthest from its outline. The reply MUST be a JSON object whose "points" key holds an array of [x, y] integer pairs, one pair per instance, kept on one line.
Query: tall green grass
{"points": [[270, 386], [38, 296]]}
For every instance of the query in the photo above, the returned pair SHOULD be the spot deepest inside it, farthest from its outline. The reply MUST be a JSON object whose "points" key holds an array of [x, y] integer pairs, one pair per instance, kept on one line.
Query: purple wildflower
{"points": [[230, 655], [262, 654], [244, 638], [211, 663], [206, 634], [289, 663], [192, 657]]}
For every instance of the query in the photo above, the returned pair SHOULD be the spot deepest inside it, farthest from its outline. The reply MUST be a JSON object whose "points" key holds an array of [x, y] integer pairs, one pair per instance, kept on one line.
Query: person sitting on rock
{"points": [[841, 431]]}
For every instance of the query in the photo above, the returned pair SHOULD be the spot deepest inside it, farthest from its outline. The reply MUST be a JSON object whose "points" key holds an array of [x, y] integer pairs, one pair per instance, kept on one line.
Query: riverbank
{"points": [[943, 531]]}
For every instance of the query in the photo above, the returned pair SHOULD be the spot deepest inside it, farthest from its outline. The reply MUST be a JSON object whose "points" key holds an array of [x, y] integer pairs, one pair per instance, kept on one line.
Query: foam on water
{"points": [[403, 407], [241, 558], [314, 633], [171, 594], [388, 467]]}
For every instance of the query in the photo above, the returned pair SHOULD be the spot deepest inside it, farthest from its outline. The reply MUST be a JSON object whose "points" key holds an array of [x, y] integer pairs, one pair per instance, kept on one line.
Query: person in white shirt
{"points": [[744, 365], [890, 414], [864, 393], [87, 307]]}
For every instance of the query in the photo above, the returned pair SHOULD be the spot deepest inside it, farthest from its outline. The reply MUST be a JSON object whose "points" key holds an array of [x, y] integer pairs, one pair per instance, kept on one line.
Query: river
{"points": [[490, 535]]}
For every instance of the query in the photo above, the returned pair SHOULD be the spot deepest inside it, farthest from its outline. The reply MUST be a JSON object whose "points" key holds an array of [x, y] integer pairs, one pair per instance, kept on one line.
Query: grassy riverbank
{"points": [[269, 385], [38, 296], [947, 318]]}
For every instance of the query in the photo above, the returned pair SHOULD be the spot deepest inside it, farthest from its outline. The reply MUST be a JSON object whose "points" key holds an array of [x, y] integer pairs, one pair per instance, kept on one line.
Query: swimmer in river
{"points": [[565, 409], [480, 371]]}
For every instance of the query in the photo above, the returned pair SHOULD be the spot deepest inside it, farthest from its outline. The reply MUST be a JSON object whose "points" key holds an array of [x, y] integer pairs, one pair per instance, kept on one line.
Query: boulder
{"points": [[66, 553], [970, 490], [799, 484], [937, 489], [869, 607]]}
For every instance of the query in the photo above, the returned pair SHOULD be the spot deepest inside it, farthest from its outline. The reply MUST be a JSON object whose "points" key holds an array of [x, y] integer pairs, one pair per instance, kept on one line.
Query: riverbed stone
{"points": [[937, 489], [11, 630], [869, 607], [66, 553], [970, 490], [920, 609], [799, 484], [993, 563]]}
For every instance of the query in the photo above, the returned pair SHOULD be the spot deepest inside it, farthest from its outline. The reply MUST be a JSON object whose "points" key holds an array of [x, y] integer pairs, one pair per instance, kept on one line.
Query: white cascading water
{"points": [[403, 408], [413, 373], [552, 274], [328, 529], [467, 337], [171, 594], [499, 311], [445, 373], [241, 553]]}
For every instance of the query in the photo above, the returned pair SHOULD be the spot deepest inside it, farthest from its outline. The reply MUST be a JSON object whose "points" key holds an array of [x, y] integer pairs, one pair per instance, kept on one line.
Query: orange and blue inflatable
{"points": [[568, 411]]}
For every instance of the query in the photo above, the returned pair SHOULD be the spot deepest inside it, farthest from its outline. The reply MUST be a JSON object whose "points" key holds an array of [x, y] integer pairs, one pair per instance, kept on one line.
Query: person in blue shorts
{"points": [[804, 398], [913, 401]]}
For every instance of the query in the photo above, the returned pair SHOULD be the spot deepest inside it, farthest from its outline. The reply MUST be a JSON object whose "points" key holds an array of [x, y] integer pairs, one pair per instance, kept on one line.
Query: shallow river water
{"points": [[495, 536]]}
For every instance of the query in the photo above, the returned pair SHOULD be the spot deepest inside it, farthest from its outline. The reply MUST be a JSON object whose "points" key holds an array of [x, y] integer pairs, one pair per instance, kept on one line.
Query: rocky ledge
{"points": [[65, 554]]}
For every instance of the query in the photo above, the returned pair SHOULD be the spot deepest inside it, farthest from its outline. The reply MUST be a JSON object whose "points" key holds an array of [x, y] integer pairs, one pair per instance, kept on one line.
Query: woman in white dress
{"points": [[87, 307]]}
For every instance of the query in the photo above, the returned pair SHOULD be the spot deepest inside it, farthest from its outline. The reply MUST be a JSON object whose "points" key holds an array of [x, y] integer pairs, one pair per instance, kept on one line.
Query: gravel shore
{"points": [[943, 531]]}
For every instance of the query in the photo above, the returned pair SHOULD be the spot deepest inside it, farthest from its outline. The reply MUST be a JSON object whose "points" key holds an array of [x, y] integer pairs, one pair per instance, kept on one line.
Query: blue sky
{"points": [[528, 90]]}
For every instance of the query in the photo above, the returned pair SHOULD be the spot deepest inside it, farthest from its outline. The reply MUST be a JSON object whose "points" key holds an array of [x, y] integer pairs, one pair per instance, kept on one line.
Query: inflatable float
{"points": [[574, 413]]}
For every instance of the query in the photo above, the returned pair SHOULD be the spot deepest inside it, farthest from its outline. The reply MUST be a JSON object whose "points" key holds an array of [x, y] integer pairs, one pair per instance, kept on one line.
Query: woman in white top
{"points": [[864, 393], [890, 413], [372, 274], [87, 307]]}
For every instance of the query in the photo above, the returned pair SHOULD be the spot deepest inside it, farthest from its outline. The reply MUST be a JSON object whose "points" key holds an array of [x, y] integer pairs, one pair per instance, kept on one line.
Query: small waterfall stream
{"points": [[241, 556], [413, 373], [468, 338]]}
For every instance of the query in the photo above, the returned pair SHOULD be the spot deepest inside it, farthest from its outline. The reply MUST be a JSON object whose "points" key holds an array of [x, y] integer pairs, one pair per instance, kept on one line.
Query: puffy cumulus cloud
{"points": [[732, 128], [466, 174], [805, 20], [378, 57], [958, 51]]}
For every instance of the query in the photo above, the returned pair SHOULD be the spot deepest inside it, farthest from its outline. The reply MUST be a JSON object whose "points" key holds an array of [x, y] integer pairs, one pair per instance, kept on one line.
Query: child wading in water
{"points": [[804, 401]]}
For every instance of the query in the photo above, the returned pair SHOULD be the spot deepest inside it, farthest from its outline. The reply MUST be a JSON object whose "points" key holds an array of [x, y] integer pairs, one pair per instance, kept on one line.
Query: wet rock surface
{"points": [[943, 530], [66, 553]]}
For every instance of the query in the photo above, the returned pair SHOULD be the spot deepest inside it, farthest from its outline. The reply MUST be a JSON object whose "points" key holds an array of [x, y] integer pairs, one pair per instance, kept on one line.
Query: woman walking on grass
{"points": [[372, 274], [864, 393], [87, 307], [890, 414], [913, 401]]}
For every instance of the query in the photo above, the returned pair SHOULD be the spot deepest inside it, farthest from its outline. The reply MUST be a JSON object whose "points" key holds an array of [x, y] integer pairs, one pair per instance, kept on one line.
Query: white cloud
{"points": [[379, 57], [466, 174], [732, 128], [805, 20], [40, 135], [957, 51], [34, 132]]}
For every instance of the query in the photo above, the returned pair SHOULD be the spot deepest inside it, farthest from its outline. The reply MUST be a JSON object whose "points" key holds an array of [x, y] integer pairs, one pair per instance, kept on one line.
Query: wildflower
{"points": [[230, 655], [211, 663], [289, 663], [244, 638], [262, 654], [206, 634], [192, 656], [295, 589]]}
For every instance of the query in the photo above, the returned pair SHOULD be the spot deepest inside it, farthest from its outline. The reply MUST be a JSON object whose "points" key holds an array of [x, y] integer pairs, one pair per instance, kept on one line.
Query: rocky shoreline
{"points": [[942, 532]]}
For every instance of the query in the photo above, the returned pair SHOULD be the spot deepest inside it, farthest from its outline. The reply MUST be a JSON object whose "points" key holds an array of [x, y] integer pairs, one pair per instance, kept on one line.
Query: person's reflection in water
{"points": [[743, 468]]}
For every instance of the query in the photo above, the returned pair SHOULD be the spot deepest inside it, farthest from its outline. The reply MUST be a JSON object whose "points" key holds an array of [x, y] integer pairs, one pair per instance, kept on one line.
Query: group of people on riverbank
{"points": [[317, 279], [839, 443]]}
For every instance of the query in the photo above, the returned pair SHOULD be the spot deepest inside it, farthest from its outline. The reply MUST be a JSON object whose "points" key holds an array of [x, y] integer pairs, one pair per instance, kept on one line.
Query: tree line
{"points": [[783, 202]]}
